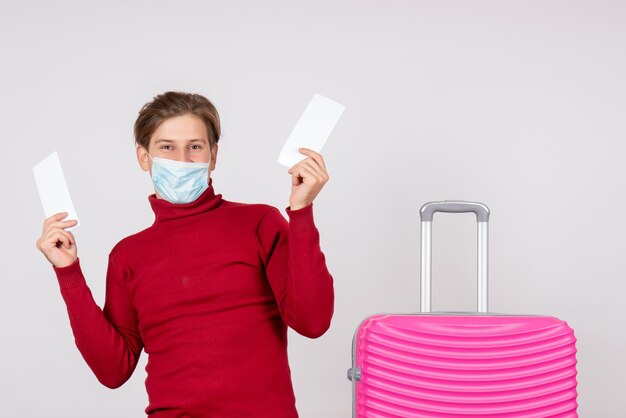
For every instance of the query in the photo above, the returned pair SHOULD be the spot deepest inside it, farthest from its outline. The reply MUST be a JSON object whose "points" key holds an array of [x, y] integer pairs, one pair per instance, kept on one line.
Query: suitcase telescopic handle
{"points": [[482, 217]]}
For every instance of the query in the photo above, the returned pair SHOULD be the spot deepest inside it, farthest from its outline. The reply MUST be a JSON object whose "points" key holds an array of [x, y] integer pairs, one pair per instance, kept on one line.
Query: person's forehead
{"points": [[184, 127]]}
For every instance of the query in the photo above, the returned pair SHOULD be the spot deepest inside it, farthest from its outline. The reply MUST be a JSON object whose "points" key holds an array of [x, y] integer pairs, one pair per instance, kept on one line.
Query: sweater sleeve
{"points": [[108, 338], [296, 270]]}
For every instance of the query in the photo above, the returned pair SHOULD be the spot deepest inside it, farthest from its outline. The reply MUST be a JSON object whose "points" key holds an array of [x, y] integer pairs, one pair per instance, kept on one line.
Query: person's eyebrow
{"points": [[189, 140]]}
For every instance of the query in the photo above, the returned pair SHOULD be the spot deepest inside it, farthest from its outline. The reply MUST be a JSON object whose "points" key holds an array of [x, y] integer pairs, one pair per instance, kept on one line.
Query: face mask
{"points": [[179, 181]]}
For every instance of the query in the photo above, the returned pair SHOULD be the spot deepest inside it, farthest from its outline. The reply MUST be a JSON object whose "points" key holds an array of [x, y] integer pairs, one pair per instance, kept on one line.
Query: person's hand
{"points": [[57, 244], [307, 179]]}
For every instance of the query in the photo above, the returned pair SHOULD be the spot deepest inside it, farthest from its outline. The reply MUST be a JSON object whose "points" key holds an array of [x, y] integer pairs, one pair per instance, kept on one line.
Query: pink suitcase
{"points": [[462, 364]]}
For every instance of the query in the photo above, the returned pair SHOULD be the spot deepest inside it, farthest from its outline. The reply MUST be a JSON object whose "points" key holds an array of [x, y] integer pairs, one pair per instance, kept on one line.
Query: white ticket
{"points": [[53, 192], [312, 129]]}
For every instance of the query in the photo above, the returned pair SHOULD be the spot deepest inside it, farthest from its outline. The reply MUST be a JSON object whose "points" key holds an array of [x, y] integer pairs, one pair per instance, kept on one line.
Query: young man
{"points": [[208, 290]]}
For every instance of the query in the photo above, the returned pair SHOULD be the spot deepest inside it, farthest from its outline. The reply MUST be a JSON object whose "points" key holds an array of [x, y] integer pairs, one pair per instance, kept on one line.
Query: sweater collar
{"points": [[165, 210]]}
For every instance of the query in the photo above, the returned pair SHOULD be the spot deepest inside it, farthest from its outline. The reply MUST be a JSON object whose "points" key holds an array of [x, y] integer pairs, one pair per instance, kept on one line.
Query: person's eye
{"points": [[165, 146], [199, 147]]}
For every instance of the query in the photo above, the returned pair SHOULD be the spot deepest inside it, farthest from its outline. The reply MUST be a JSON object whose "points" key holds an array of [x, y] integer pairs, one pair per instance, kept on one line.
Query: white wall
{"points": [[518, 104]]}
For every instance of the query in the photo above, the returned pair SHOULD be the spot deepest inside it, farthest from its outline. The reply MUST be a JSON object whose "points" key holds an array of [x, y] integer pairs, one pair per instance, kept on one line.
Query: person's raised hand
{"points": [[307, 179], [57, 244]]}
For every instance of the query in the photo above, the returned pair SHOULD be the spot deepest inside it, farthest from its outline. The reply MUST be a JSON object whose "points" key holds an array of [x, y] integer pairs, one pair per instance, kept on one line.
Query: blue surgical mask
{"points": [[179, 181]]}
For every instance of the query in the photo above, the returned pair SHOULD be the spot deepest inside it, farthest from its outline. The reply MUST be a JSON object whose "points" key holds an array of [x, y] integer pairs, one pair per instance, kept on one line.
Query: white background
{"points": [[517, 104]]}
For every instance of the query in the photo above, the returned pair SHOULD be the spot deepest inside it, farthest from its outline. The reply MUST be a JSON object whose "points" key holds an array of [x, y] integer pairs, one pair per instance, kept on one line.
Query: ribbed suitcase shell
{"points": [[453, 366]]}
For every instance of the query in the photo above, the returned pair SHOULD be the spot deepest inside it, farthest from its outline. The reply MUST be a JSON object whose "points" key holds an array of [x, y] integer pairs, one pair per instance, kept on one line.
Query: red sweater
{"points": [[207, 291]]}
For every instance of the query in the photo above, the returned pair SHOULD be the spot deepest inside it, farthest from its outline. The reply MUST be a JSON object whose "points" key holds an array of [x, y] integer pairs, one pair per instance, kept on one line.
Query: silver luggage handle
{"points": [[482, 218]]}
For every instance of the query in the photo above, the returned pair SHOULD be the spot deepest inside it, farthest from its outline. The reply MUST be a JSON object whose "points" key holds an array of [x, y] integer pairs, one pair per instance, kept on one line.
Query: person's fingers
{"points": [[72, 239], [64, 238], [301, 171], [53, 218], [295, 174], [320, 169], [62, 224], [314, 155], [314, 168], [50, 238], [57, 235]]}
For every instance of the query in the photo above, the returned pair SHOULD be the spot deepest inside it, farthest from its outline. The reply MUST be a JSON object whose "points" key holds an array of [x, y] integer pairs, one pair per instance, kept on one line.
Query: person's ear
{"points": [[142, 158], [213, 157]]}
